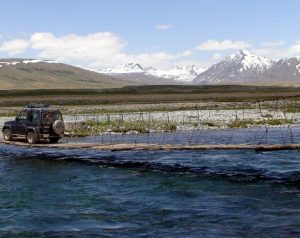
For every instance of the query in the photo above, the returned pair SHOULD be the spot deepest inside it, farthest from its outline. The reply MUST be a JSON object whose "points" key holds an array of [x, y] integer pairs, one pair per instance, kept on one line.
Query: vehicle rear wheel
{"points": [[31, 137], [54, 139], [58, 127], [7, 134]]}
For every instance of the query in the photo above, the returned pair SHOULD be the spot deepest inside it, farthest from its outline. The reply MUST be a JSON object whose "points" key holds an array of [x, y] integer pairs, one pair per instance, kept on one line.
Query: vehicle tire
{"points": [[7, 134], [54, 139], [31, 137]]}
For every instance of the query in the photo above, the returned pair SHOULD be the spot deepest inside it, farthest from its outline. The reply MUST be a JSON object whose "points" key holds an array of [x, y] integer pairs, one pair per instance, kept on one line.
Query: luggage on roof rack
{"points": [[37, 105]]}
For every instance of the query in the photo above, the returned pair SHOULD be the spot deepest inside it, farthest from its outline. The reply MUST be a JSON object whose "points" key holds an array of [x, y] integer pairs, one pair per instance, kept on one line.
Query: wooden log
{"points": [[155, 147]]}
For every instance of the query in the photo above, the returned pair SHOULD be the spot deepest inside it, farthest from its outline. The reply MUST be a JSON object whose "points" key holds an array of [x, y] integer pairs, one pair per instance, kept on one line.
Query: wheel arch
{"points": [[6, 127], [30, 129]]}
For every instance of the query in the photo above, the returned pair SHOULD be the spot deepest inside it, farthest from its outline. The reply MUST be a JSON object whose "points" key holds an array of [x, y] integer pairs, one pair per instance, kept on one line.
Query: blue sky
{"points": [[98, 33]]}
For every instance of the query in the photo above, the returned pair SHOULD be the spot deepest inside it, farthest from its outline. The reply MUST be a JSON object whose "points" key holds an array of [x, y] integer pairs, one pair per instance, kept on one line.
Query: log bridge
{"points": [[154, 147]]}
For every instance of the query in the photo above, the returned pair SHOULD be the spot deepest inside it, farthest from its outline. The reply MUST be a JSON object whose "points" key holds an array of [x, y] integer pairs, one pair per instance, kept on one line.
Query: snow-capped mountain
{"points": [[241, 67], [244, 67], [10, 62], [125, 68], [184, 74], [135, 73], [151, 75]]}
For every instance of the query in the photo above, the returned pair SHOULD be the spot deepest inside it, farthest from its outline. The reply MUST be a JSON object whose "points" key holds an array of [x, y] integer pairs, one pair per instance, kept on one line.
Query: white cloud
{"points": [[278, 53], [295, 49], [271, 53], [214, 45], [163, 27], [217, 56], [97, 46], [268, 44], [158, 59], [106, 49], [97, 50], [14, 47]]}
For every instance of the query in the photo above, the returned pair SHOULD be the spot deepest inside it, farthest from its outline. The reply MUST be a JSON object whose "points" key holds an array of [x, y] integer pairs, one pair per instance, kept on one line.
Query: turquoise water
{"points": [[75, 193]]}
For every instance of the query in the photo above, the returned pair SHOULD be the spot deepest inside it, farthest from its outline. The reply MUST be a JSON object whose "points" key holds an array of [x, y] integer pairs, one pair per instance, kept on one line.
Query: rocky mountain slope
{"points": [[245, 68], [241, 67], [284, 70]]}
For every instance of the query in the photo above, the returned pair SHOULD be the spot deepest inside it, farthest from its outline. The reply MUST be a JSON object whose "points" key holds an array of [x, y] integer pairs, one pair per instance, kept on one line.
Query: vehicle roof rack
{"points": [[37, 105]]}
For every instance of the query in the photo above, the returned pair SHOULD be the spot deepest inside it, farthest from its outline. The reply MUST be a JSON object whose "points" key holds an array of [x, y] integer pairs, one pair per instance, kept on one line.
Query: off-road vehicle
{"points": [[34, 123]]}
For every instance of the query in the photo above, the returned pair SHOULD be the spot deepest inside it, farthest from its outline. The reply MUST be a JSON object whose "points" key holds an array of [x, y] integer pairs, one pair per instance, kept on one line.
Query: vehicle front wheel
{"points": [[7, 134], [54, 139], [31, 137]]}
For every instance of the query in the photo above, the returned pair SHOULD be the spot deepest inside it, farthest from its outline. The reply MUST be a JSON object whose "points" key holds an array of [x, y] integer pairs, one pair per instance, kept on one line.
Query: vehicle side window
{"points": [[33, 116], [22, 115]]}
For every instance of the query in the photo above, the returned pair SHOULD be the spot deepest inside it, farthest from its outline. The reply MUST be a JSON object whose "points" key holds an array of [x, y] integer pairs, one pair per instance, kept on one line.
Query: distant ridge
{"points": [[236, 69], [45, 74]]}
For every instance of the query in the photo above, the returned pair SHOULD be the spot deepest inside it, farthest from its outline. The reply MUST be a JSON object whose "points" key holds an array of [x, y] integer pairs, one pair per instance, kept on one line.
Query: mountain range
{"points": [[239, 68], [151, 75], [245, 68]]}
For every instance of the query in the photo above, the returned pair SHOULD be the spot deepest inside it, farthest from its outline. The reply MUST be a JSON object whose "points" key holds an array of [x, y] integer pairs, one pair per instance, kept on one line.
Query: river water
{"points": [[79, 193]]}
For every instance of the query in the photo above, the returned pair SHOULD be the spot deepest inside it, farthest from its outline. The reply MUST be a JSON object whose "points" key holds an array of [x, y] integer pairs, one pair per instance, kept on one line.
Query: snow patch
{"points": [[124, 69], [182, 74], [298, 67], [27, 61], [34, 61], [249, 61]]}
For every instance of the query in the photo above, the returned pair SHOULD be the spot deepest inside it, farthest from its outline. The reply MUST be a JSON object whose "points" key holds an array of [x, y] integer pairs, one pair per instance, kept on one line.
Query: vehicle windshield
{"points": [[51, 116]]}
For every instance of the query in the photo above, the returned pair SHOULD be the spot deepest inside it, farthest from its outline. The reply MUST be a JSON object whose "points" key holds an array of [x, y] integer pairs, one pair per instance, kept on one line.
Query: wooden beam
{"points": [[155, 147]]}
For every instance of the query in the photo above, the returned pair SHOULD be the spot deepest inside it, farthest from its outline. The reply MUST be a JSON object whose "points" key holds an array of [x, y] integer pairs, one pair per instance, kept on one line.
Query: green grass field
{"points": [[147, 94]]}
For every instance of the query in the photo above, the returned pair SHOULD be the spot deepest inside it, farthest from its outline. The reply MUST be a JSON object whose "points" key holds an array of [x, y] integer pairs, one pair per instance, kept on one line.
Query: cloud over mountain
{"points": [[101, 50], [214, 45], [14, 47]]}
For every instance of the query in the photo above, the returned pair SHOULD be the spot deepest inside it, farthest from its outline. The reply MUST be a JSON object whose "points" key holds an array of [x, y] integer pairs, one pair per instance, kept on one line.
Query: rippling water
{"points": [[261, 135], [59, 193]]}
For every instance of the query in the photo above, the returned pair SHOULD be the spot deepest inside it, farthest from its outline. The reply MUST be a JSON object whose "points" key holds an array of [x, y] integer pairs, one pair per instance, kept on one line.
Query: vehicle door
{"points": [[19, 126]]}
